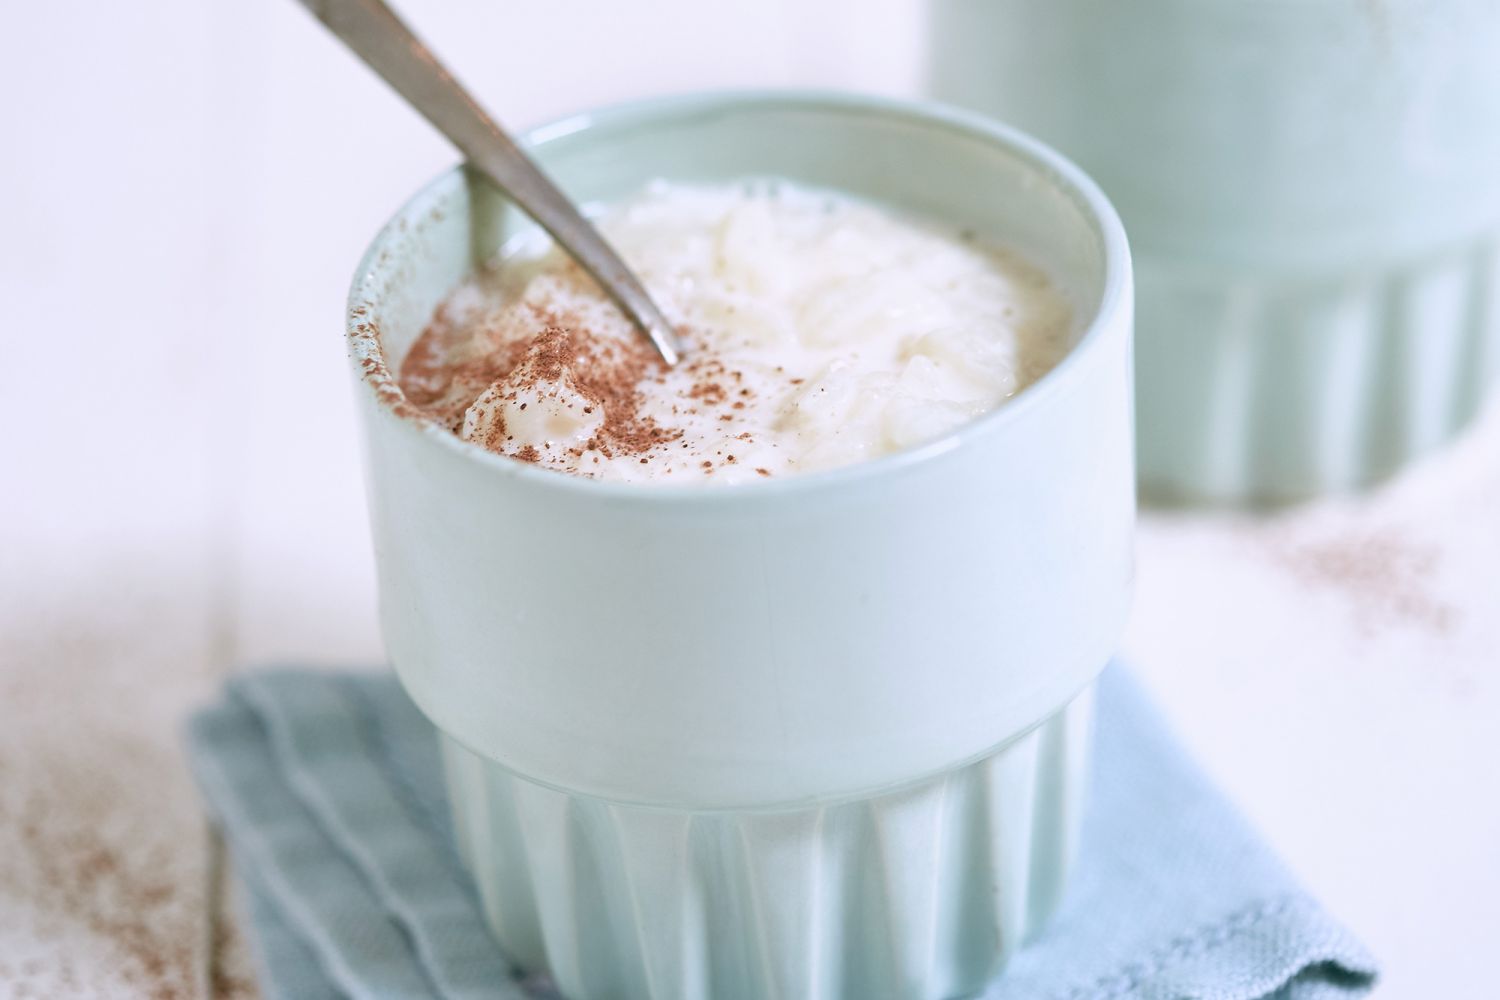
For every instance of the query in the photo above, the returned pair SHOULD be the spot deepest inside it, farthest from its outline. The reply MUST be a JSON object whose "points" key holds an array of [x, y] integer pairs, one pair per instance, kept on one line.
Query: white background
{"points": [[184, 190]]}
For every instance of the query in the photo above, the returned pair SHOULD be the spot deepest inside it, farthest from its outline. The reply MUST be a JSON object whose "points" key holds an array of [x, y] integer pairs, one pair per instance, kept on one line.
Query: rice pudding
{"points": [[819, 331]]}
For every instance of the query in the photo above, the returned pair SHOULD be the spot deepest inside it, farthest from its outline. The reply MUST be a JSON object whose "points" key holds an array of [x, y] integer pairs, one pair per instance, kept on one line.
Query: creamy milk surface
{"points": [[818, 331]]}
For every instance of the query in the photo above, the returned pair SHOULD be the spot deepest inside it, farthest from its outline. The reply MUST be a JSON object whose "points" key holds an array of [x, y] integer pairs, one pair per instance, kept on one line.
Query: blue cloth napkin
{"points": [[328, 788]]}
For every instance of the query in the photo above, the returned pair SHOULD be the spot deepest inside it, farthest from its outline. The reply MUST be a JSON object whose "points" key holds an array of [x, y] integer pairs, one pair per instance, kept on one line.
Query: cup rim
{"points": [[1062, 172]]}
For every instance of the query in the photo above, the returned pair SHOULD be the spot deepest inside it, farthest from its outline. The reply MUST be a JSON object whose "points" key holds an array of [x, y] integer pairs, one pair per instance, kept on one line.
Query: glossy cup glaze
{"points": [[600, 656]]}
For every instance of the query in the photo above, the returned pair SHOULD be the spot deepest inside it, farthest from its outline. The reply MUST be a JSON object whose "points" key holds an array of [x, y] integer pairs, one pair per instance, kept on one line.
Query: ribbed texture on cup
{"points": [[921, 892], [1258, 390]]}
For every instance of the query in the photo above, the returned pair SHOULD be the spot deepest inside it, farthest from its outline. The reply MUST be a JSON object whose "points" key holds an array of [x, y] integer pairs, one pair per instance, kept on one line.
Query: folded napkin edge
{"points": [[1336, 947]]}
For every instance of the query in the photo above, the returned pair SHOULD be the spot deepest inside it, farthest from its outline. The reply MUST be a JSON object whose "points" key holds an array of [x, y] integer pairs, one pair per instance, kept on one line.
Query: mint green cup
{"points": [[820, 736], [1312, 191]]}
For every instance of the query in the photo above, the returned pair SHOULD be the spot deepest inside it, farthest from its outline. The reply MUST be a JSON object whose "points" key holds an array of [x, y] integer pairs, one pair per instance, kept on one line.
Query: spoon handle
{"points": [[375, 34]]}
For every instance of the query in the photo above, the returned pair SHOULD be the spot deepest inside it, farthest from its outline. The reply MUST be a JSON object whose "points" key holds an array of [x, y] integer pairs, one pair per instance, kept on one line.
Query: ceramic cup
{"points": [[816, 736], [1312, 191]]}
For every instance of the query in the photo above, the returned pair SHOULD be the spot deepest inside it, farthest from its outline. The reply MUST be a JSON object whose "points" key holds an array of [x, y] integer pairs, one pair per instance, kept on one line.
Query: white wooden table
{"points": [[184, 189]]}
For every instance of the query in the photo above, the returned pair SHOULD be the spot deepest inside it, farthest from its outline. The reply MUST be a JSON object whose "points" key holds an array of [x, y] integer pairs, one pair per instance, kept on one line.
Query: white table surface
{"points": [[184, 190]]}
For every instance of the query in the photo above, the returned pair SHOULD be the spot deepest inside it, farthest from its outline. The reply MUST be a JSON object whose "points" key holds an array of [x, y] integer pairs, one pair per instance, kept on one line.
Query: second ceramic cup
{"points": [[1312, 190], [817, 737]]}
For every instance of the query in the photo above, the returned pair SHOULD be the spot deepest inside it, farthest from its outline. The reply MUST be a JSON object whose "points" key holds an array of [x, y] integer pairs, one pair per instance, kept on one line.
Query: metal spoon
{"points": [[375, 34]]}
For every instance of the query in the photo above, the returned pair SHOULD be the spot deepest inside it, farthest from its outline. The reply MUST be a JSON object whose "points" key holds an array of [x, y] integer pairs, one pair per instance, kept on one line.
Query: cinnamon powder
{"points": [[1387, 578], [439, 384]]}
